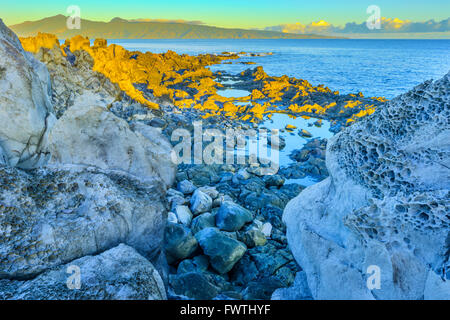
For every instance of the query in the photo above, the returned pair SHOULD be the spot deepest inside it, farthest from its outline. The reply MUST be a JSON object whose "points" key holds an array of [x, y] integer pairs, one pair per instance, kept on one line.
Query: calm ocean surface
{"points": [[374, 67]]}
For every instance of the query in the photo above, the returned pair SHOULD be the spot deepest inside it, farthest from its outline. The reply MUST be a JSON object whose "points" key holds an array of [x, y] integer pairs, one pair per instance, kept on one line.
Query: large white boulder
{"points": [[93, 136], [385, 206], [117, 274], [25, 108], [49, 217]]}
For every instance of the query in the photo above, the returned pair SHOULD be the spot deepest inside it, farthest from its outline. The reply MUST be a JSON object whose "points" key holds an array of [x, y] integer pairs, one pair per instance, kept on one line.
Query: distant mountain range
{"points": [[119, 28]]}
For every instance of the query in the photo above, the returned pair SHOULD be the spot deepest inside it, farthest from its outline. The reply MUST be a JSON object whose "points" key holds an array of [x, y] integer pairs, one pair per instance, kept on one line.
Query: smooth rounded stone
{"points": [[157, 123], [194, 285], [242, 174], [253, 238], [222, 251], [298, 291], [210, 191], [205, 220], [267, 229], [244, 271], [203, 175], [179, 242], [83, 136], [180, 176], [186, 187], [274, 180], [305, 133], [172, 217], [221, 199], [262, 289], [55, 215], [184, 215], [232, 217], [26, 113], [200, 202], [197, 264], [116, 274], [286, 275]]}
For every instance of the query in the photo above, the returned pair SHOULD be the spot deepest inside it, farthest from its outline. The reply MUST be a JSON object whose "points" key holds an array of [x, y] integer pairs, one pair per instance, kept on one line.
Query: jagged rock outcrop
{"points": [[105, 185], [117, 274], [52, 216], [26, 111], [73, 79], [385, 204], [93, 136]]}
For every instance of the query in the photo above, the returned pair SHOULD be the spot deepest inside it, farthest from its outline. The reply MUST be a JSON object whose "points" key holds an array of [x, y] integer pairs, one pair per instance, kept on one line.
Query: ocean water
{"points": [[374, 67]]}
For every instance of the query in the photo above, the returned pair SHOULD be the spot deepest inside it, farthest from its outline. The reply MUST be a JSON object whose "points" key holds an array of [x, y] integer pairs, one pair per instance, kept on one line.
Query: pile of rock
{"points": [[309, 161], [225, 238]]}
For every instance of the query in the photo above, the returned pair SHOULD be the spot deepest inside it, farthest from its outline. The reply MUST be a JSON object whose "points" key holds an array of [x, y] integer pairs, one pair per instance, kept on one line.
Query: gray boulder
{"points": [[383, 212], [200, 202], [205, 220], [222, 251], [84, 136], [49, 217], [184, 215], [194, 285], [179, 242], [186, 187], [25, 108], [232, 217], [298, 291], [117, 274]]}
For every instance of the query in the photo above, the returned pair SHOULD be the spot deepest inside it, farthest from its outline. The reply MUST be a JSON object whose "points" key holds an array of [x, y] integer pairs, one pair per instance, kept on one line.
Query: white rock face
{"points": [[49, 217], [25, 108], [93, 136], [117, 274], [385, 204]]}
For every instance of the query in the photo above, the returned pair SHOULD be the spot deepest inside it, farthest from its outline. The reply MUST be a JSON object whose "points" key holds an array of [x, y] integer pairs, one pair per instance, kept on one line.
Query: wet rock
{"points": [[232, 217], [223, 251], [56, 215], [197, 264], [261, 289], [193, 285], [200, 202], [205, 220], [179, 242], [117, 274], [266, 229], [299, 290], [184, 215], [273, 181], [172, 217], [186, 187], [305, 134], [253, 238]]}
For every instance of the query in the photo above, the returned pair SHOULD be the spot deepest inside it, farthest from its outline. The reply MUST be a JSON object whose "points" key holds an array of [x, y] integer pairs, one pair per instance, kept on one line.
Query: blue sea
{"points": [[374, 67]]}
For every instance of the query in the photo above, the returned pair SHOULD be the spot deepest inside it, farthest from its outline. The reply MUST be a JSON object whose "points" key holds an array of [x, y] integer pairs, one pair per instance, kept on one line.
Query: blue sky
{"points": [[230, 13]]}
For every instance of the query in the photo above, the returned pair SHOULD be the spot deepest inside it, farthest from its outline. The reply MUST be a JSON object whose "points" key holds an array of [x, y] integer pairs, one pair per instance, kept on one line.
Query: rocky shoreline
{"points": [[95, 181]]}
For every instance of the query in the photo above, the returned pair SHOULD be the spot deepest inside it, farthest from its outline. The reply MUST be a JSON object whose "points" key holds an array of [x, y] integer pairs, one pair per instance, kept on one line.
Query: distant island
{"points": [[119, 28]]}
